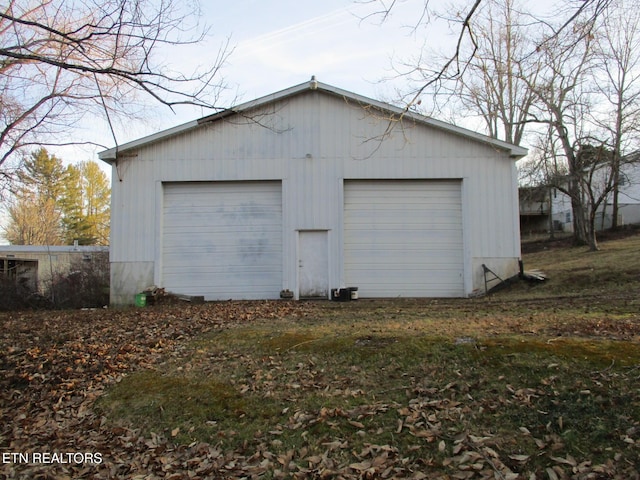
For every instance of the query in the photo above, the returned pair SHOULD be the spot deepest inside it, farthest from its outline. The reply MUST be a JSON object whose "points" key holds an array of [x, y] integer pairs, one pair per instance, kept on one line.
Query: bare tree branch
{"points": [[61, 61], [454, 60]]}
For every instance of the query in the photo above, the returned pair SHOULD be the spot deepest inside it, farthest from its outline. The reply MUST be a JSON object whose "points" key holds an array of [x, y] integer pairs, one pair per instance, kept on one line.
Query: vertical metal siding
{"points": [[223, 239], [313, 143], [404, 238]]}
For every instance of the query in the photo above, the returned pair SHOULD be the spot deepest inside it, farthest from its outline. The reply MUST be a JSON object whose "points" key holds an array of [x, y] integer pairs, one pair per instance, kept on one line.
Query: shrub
{"points": [[85, 286]]}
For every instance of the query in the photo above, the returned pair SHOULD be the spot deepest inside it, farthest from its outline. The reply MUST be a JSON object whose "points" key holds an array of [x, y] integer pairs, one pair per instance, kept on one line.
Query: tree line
{"points": [[56, 205]]}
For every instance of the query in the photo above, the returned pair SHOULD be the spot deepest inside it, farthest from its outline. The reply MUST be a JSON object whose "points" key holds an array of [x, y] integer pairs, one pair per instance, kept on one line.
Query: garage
{"points": [[222, 240], [403, 238], [292, 195]]}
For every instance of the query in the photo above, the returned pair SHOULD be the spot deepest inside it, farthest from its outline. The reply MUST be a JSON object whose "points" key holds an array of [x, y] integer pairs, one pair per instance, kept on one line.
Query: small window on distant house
{"points": [[622, 181], [567, 217]]}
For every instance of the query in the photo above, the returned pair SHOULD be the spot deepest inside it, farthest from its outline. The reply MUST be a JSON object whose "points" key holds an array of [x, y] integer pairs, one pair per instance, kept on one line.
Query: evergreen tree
{"points": [[54, 205], [34, 213], [85, 204], [43, 175], [74, 221], [97, 200]]}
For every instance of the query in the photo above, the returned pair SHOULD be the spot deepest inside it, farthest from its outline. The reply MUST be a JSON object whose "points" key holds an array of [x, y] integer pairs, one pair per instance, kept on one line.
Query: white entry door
{"points": [[313, 264]]}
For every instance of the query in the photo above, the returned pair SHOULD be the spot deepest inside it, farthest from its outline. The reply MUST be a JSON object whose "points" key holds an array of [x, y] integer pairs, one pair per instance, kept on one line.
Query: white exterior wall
{"points": [[629, 197], [54, 260], [628, 203], [315, 143]]}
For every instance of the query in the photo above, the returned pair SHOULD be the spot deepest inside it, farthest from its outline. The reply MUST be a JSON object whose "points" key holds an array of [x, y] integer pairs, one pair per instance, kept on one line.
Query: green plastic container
{"points": [[141, 300]]}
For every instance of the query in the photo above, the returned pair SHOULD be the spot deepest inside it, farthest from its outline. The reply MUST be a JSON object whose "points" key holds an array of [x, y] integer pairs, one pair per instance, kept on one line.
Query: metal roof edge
{"points": [[515, 151], [53, 248], [272, 97], [110, 155]]}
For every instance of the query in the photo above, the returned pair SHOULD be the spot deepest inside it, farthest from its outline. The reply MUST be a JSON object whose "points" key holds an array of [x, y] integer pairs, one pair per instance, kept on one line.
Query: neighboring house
{"points": [[534, 210], [537, 203], [628, 197], [35, 267], [306, 190], [561, 210]]}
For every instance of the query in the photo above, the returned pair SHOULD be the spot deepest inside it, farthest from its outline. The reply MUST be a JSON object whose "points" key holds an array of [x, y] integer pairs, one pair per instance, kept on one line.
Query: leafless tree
{"points": [[33, 221], [563, 104], [463, 17], [617, 81], [497, 86], [588, 97], [519, 70], [64, 62]]}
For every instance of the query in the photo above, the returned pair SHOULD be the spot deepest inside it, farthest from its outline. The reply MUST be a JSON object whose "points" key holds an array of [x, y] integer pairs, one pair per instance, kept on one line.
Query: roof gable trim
{"points": [[112, 154]]}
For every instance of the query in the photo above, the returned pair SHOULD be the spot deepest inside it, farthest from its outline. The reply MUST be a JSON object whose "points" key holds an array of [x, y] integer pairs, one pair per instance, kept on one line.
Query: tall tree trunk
{"points": [[616, 180], [552, 230], [592, 241], [578, 207], [580, 227]]}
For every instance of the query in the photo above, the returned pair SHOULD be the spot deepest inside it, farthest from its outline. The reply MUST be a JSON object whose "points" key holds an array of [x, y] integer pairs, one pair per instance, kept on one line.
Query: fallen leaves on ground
{"points": [[55, 365]]}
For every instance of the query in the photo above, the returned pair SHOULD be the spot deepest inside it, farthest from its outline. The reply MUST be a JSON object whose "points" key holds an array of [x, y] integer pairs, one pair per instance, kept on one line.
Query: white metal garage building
{"points": [[307, 190]]}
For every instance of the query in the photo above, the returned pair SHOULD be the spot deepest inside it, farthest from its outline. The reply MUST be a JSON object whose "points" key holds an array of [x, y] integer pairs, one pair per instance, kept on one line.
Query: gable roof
{"points": [[111, 154]]}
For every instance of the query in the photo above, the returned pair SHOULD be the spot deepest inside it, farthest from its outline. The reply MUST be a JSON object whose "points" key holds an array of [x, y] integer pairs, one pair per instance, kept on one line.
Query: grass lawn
{"points": [[534, 382]]}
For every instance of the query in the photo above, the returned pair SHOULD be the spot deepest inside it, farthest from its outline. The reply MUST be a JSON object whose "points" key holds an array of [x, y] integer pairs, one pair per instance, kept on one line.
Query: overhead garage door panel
{"points": [[223, 239], [404, 238]]}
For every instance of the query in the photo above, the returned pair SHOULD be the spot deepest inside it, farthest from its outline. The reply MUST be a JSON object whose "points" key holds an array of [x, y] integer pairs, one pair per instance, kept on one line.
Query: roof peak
{"points": [[313, 84]]}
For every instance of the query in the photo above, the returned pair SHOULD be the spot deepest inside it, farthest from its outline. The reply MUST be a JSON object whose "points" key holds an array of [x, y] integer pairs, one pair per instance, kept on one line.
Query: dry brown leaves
{"points": [[55, 364]]}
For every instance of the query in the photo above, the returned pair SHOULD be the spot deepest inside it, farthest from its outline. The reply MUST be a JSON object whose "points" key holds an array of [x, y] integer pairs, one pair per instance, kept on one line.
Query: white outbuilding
{"points": [[311, 189]]}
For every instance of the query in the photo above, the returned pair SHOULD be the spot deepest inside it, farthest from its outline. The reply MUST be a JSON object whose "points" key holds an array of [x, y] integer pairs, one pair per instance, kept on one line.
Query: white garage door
{"points": [[404, 238], [223, 240]]}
